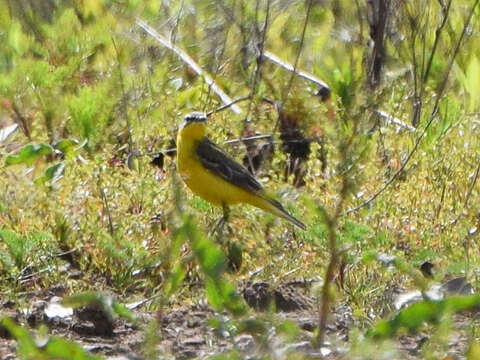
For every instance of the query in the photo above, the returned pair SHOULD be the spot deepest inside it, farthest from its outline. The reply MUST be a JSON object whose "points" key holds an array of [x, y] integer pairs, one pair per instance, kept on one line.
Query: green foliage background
{"points": [[95, 97]]}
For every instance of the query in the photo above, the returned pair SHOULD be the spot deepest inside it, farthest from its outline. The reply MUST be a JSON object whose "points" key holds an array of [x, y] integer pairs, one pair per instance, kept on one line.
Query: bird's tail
{"points": [[274, 207]]}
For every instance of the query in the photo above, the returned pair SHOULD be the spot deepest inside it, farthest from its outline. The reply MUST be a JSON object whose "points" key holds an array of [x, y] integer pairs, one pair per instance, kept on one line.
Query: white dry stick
{"points": [[191, 63], [7, 131], [393, 120], [276, 60]]}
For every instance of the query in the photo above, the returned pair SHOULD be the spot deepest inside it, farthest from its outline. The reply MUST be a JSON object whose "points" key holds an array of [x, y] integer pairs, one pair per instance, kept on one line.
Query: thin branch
{"points": [[258, 69], [297, 59], [174, 28], [249, 138], [226, 106], [443, 84], [445, 11], [472, 185], [21, 121], [107, 210], [426, 69], [325, 297], [332, 223], [360, 21], [190, 62]]}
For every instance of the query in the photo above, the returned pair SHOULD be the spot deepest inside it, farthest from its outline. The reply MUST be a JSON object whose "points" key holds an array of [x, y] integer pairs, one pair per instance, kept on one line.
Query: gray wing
{"points": [[214, 159]]}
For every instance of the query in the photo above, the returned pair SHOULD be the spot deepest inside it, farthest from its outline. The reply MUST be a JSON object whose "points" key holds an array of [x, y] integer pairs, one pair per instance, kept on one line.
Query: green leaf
{"points": [[231, 300], [65, 145], [83, 299], [110, 307], [26, 344], [52, 174], [90, 112], [55, 348], [122, 311], [210, 257], [175, 279], [426, 311], [58, 348], [222, 295], [214, 297], [28, 154]]}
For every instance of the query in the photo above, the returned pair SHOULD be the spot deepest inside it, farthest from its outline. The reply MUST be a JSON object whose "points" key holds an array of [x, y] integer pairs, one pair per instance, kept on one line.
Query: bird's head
{"points": [[194, 125]]}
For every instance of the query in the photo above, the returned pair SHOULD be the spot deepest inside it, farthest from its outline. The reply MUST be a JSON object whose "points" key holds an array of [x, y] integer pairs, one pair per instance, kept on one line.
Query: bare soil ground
{"points": [[185, 332]]}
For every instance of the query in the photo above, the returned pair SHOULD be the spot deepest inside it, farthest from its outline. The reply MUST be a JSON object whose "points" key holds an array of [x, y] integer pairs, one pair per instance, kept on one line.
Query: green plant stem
{"points": [[325, 298]]}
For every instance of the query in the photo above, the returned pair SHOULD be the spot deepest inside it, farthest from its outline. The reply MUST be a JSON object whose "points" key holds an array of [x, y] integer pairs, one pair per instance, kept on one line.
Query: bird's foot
{"points": [[218, 228]]}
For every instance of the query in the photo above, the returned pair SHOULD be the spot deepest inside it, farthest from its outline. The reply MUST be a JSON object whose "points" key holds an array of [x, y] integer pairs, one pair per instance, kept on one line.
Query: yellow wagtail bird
{"points": [[216, 177]]}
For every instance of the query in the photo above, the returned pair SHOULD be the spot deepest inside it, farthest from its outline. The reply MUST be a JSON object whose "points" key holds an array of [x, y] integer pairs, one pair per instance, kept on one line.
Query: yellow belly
{"points": [[209, 186]]}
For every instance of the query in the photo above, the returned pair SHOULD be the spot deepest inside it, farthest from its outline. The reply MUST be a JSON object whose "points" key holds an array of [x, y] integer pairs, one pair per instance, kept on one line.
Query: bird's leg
{"points": [[218, 228], [223, 221], [226, 215]]}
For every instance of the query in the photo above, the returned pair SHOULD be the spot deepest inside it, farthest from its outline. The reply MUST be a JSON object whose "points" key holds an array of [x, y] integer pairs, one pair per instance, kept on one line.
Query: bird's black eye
{"points": [[195, 117]]}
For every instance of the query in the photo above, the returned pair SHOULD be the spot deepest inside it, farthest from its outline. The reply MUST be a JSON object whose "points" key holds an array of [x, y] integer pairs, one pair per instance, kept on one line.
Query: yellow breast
{"points": [[200, 180]]}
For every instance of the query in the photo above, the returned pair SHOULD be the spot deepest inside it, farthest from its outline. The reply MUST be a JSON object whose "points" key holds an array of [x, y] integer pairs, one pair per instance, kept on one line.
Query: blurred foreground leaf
{"points": [[28, 154], [426, 311], [53, 349], [110, 307], [221, 294], [175, 279], [66, 145], [52, 174]]}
